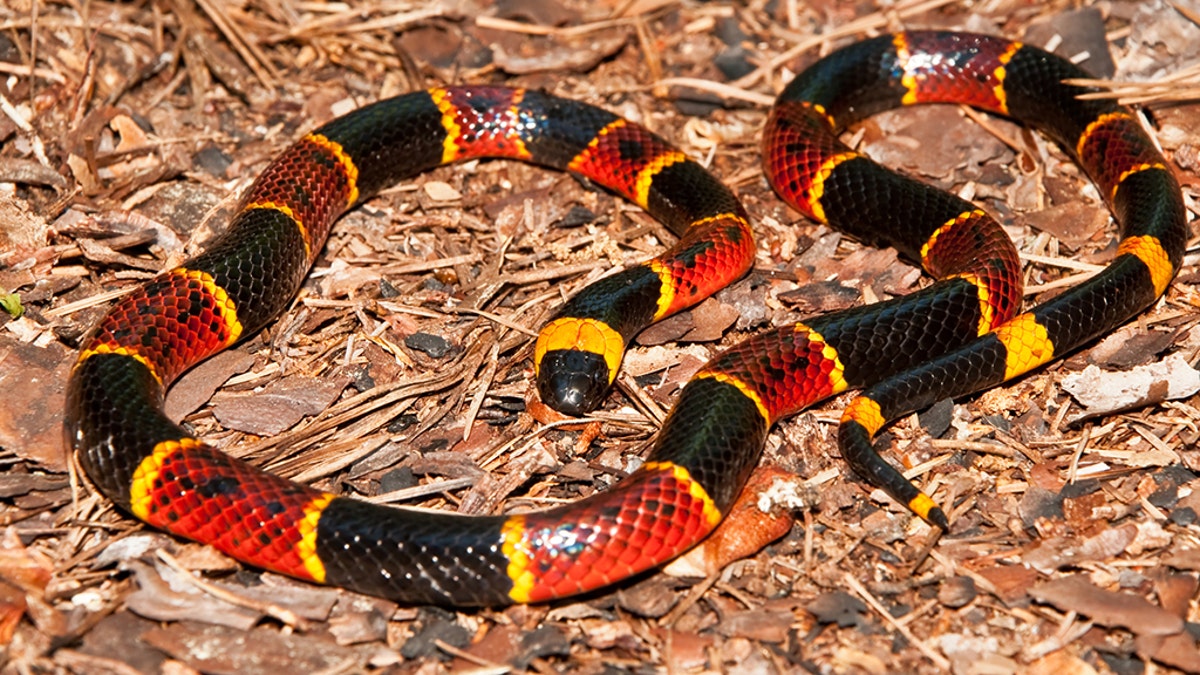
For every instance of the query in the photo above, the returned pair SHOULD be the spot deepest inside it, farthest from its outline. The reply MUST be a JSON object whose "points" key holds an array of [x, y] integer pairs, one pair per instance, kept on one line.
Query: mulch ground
{"points": [[402, 373]]}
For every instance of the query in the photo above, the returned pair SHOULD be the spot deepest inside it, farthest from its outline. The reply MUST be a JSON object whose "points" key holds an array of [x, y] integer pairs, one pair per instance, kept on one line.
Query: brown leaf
{"points": [[116, 637], [669, 330], [1179, 651], [685, 650], [280, 405], [500, 645], [1061, 662], [1081, 511], [537, 12], [12, 608], [1185, 559], [756, 624], [31, 420], [20, 484], [1073, 223], [22, 229], [20, 567], [942, 142], [710, 319], [651, 598], [821, 296], [161, 596], [535, 53], [1107, 608], [24, 575], [1009, 582], [359, 619], [1058, 552], [220, 650], [1130, 346], [200, 383], [1175, 592]]}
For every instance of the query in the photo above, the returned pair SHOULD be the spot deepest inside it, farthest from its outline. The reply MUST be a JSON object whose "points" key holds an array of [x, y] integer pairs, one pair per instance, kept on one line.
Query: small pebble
{"points": [[998, 422], [397, 479], [730, 32], [542, 642], [213, 161], [957, 592], [734, 62], [362, 380], [424, 643], [433, 345], [1183, 516], [401, 423], [577, 216], [387, 290], [434, 284], [837, 607]]}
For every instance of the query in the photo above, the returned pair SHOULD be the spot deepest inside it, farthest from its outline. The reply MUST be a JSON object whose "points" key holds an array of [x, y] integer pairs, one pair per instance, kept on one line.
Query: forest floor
{"points": [[404, 369]]}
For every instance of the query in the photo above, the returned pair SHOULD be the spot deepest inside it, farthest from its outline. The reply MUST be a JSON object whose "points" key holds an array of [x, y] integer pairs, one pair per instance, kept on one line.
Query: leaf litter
{"points": [[1076, 544]]}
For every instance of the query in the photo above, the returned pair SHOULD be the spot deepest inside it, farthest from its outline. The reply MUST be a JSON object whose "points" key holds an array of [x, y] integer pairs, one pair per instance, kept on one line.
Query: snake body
{"points": [[958, 335]]}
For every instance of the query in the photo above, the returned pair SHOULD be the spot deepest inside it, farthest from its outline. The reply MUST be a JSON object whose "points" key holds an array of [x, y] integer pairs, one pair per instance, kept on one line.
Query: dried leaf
{"points": [[1107, 608], [32, 380], [23, 579], [280, 405], [1056, 553], [1179, 651], [221, 650], [540, 54], [1101, 391], [196, 387], [163, 596]]}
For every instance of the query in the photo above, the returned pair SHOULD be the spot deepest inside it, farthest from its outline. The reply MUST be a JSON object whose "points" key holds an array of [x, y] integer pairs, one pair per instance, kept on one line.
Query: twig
{"points": [[91, 301], [1187, 12], [495, 318], [973, 446], [30, 71], [336, 24], [718, 88], [937, 659], [364, 448], [992, 129], [692, 598], [489, 667], [1060, 283], [1181, 85], [485, 382], [1065, 263], [250, 53], [530, 29], [283, 614], [406, 494], [427, 265], [23, 124]]}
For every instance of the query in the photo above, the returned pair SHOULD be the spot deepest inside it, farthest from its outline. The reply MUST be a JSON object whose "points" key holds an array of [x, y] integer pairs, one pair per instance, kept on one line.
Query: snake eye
{"points": [[573, 382]]}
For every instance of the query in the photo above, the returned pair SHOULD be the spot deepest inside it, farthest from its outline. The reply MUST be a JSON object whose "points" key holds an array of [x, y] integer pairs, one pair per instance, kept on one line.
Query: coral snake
{"points": [[959, 335]]}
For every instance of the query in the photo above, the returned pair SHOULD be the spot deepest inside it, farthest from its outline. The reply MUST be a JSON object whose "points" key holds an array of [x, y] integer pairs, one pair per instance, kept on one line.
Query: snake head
{"points": [[572, 381]]}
